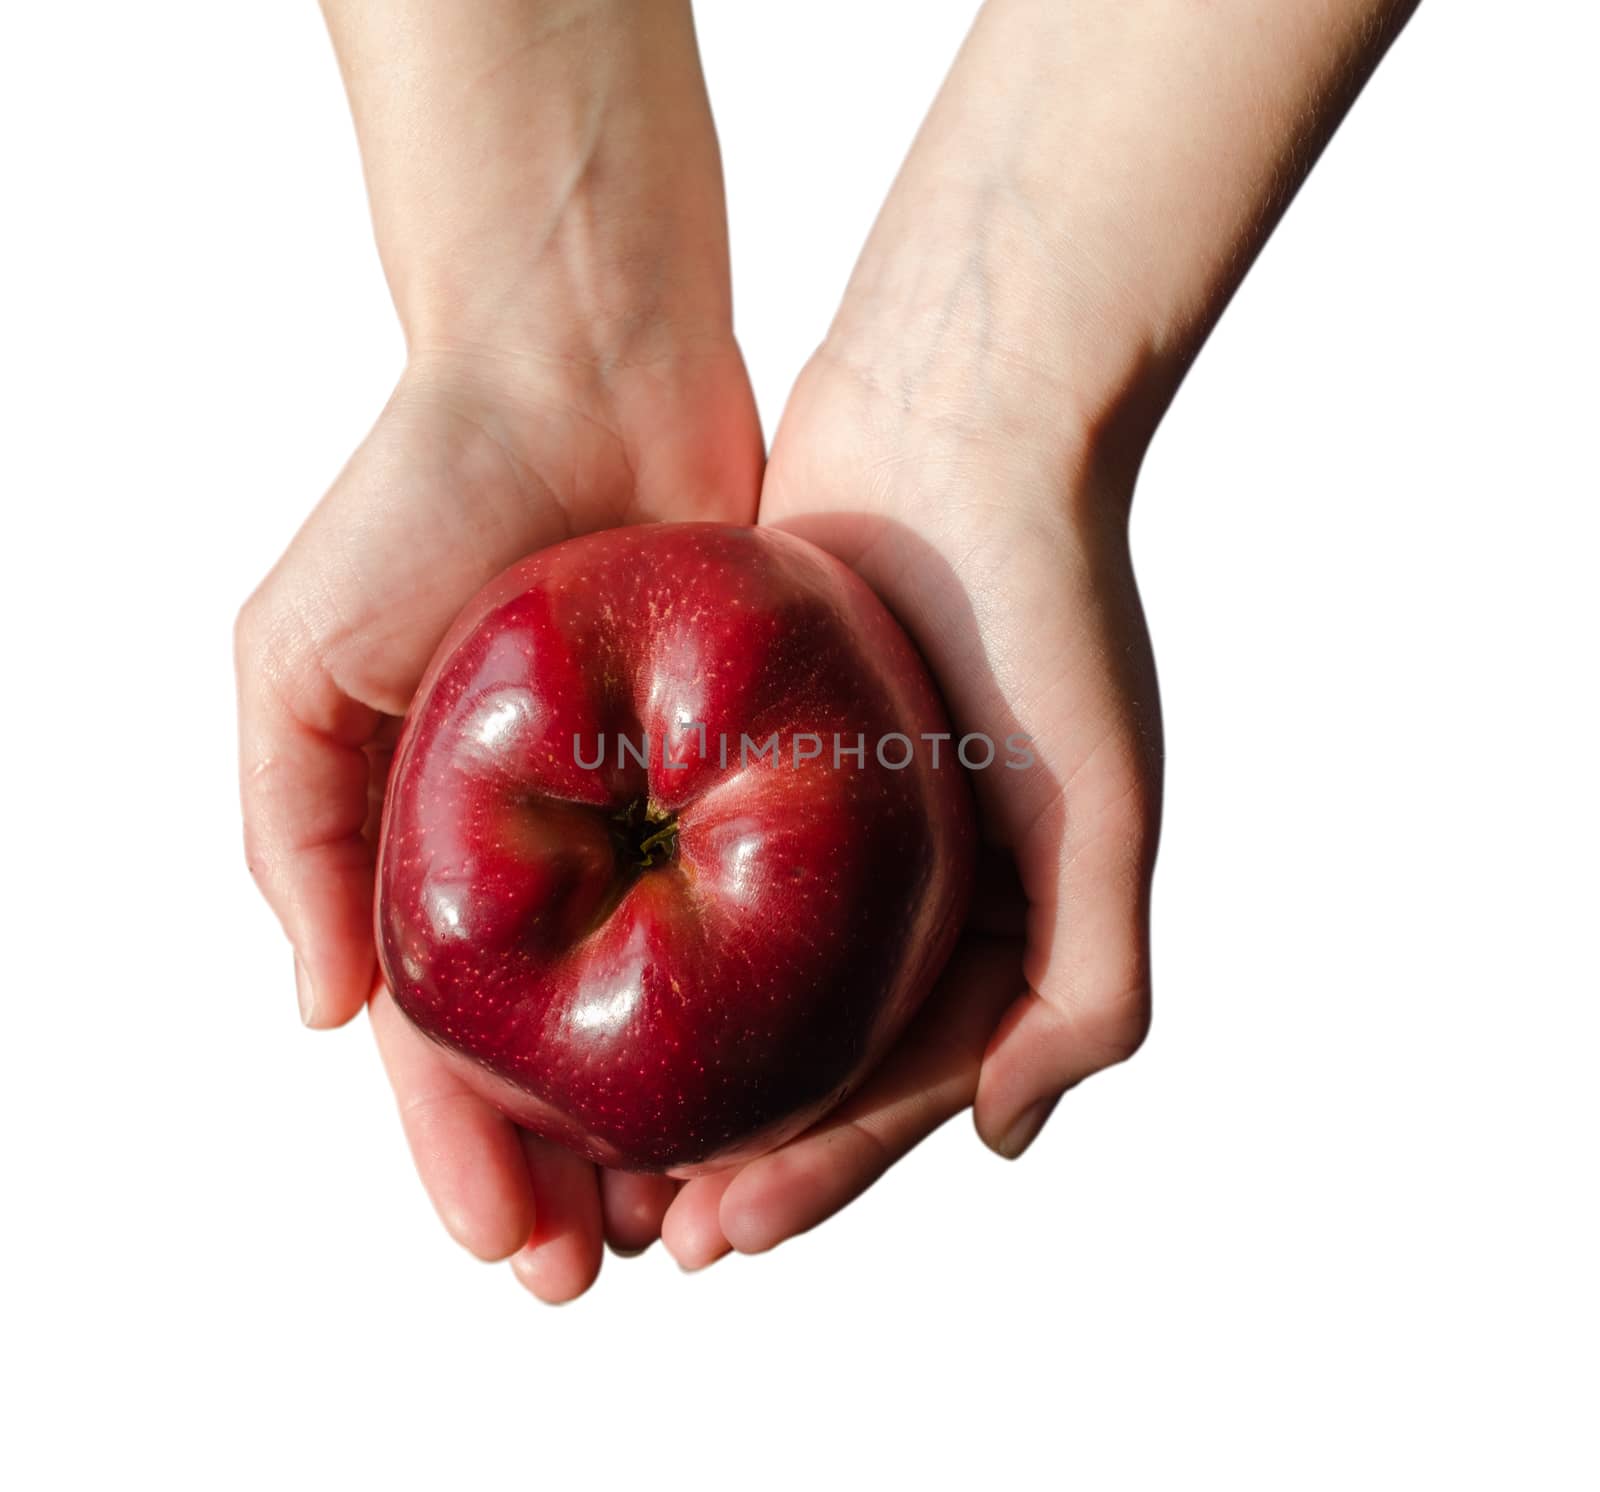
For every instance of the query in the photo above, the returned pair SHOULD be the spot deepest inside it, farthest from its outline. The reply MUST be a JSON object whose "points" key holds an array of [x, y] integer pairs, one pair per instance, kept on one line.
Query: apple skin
{"points": [[698, 1010]]}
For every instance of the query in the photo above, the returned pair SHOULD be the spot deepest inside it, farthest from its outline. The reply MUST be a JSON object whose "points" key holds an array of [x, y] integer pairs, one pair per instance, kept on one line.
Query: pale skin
{"points": [[1092, 182]]}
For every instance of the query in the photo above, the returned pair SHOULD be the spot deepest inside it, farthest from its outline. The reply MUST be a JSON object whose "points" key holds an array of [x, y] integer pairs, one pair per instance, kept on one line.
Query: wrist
{"points": [[538, 172], [969, 312], [571, 297], [603, 255], [1089, 187], [942, 394]]}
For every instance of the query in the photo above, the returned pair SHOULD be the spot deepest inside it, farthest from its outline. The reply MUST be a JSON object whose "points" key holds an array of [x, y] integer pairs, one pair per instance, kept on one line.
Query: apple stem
{"points": [[666, 837], [646, 836]]}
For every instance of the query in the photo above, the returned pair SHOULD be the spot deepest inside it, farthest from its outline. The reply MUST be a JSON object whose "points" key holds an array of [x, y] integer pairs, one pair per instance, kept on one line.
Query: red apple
{"points": [[675, 965]]}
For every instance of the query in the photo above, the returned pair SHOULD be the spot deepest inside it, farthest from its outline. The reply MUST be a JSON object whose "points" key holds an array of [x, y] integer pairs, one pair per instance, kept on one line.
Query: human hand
{"points": [[1085, 195], [1003, 550], [553, 386]]}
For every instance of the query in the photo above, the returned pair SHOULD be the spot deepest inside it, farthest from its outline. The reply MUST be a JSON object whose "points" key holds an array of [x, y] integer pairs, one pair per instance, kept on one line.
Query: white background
{"points": [[1334, 1227]]}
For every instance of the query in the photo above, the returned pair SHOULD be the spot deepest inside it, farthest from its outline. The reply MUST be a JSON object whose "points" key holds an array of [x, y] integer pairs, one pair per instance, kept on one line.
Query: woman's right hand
{"points": [[549, 209]]}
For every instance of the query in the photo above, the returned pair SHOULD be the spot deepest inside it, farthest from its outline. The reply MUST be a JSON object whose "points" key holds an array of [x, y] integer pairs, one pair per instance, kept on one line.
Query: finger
{"points": [[691, 1231], [931, 1075], [466, 1152], [1087, 1002], [304, 788], [631, 1208], [324, 654], [561, 1257]]}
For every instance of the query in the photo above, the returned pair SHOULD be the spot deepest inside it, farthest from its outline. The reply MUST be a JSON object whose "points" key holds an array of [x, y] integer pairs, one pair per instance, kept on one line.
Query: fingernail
{"points": [[307, 996], [1024, 1129]]}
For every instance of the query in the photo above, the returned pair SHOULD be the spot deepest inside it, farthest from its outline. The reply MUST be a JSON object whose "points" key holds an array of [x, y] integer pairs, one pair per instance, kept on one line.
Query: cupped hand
{"points": [[996, 531], [480, 457]]}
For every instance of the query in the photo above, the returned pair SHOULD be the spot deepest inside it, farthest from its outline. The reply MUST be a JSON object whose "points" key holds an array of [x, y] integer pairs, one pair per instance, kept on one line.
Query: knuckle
{"points": [[1113, 1029]]}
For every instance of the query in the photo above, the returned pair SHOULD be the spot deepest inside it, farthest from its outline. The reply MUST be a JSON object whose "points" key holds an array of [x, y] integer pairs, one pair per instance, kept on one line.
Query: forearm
{"points": [[1092, 183], [543, 173]]}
